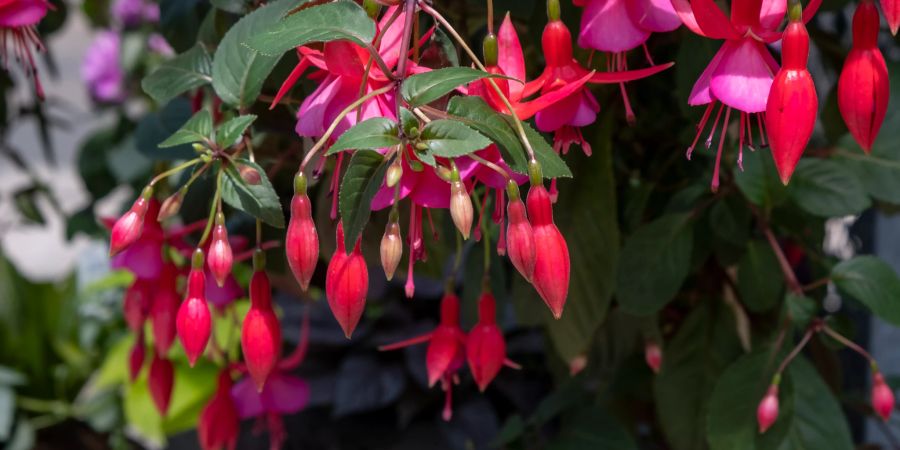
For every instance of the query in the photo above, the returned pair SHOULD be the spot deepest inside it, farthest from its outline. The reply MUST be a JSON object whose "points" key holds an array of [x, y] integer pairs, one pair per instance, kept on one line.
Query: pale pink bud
{"points": [[461, 208], [220, 258], [767, 411], [653, 355], [129, 227], [882, 396], [391, 249], [171, 206]]}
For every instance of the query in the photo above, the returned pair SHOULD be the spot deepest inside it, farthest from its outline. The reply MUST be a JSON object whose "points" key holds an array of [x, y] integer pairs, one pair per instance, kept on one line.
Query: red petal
{"points": [[628, 75], [714, 23]]}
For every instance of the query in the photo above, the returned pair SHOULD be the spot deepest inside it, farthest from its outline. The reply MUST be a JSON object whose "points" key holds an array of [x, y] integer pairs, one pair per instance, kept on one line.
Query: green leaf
{"points": [[341, 20], [232, 6], [819, 421], [592, 428], [372, 134], [552, 164], [424, 88], [450, 138], [198, 129], [759, 180], [731, 416], [184, 72], [258, 200], [655, 261], [238, 71], [702, 348], [229, 132], [759, 278], [7, 411], [363, 178], [827, 189], [155, 127], [873, 282]]}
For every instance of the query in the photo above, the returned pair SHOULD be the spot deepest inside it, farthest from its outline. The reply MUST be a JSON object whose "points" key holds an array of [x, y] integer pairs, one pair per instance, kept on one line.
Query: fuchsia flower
{"points": [[617, 26], [882, 397], [485, 346], [347, 284], [18, 28], [194, 321], [102, 70], [218, 425], [552, 264], [446, 350], [260, 331], [741, 73], [302, 240]]}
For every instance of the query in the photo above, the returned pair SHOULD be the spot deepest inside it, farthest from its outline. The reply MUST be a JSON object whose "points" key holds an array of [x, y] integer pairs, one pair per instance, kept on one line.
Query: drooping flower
{"points": [[551, 267], [460, 204], [165, 309], [864, 87], [617, 26], [446, 349], [653, 355], [302, 241], [520, 235], [220, 257], [128, 228], [767, 411], [194, 321], [792, 105], [161, 381], [347, 284], [740, 75], [260, 332], [485, 345], [218, 426], [102, 70], [18, 34], [136, 357]]}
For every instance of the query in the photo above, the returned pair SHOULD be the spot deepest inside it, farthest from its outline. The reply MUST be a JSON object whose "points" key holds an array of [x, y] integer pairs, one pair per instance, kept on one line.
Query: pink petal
{"points": [[606, 26], [743, 78], [686, 14], [771, 13], [311, 116], [389, 49], [587, 110], [385, 196], [345, 58], [558, 114], [700, 94], [510, 58], [143, 259], [247, 400], [22, 13], [714, 23], [654, 15], [285, 394], [431, 191]]}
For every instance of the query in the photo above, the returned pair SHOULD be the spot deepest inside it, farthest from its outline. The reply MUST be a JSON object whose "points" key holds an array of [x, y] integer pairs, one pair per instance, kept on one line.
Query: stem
{"points": [[796, 351], [373, 55], [850, 344], [485, 237], [410, 10], [418, 112], [490, 16], [490, 165], [334, 124], [212, 210], [789, 276], [520, 129], [816, 284], [174, 170]]}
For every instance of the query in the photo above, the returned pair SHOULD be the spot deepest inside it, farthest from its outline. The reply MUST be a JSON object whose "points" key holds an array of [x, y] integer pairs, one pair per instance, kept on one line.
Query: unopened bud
{"points": [[461, 208], [250, 175], [490, 49], [372, 8], [653, 355], [421, 146], [391, 249], [221, 257], [393, 174], [171, 205], [882, 396], [443, 173], [198, 147], [128, 228], [767, 411]]}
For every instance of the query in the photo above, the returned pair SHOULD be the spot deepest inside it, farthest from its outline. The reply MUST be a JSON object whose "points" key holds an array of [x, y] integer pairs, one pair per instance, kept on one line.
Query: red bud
{"points": [[302, 243], [220, 256], [128, 228], [556, 42], [219, 424], [346, 284], [165, 309], [194, 322], [136, 303], [551, 267], [446, 349], [767, 411], [520, 239], [136, 358], [882, 396], [485, 346], [261, 332], [653, 355], [162, 377]]}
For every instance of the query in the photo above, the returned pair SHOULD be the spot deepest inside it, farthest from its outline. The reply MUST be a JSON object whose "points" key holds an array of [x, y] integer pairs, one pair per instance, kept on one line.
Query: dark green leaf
{"points": [[232, 6], [592, 428], [655, 261], [551, 164], [759, 180], [198, 129], [157, 126], [239, 71], [818, 421], [341, 20], [229, 132], [186, 71], [450, 138], [512, 429], [361, 182], [424, 88], [873, 282], [827, 189], [372, 134], [760, 281], [408, 121], [801, 309], [258, 200]]}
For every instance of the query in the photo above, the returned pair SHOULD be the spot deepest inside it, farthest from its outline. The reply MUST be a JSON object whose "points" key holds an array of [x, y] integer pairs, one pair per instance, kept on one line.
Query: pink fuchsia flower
{"points": [[18, 27], [218, 426], [102, 70], [132, 13], [617, 26], [740, 75]]}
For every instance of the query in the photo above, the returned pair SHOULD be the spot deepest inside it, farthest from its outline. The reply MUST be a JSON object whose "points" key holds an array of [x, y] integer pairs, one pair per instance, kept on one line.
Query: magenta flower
{"points": [[131, 13], [617, 26], [18, 27], [102, 70]]}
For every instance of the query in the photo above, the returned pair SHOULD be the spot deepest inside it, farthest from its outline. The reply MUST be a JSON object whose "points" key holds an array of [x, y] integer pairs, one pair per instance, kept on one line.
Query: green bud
{"points": [[197, 259], [393, 174], [534, 173], [490, 49]]}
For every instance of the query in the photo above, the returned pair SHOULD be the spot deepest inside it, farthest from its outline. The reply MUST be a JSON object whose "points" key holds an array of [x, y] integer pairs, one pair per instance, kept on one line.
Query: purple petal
{"points": [[606, 26], [558, 114], [247, 399], [587, 110], [285, 394], [654, 15], [311, 116], [700, 94]]}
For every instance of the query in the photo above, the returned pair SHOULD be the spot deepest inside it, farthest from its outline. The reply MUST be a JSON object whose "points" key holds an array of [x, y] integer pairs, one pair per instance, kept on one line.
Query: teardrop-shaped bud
{"points": [[391, 249], [520, 236], [891, 10], [129, 227], [136, 358], [219, 424], [393, 175], [446, 348], [171, 205], [485, 345], [165, 309], [882, 397], [261, 332], [162, 378], [551, 265], [653, 356], [302, 242], [767, 411], [556, 41], [220, 257], [347, 284], [194, 321], [863, 87], [792, 104], [461, 210]]}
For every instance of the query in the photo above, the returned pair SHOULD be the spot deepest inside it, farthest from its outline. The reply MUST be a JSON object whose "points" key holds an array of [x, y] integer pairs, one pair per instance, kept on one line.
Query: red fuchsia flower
{"points": [[346, 284], [792, 105], [741, 73], [891, 10], [302, 242], [446, 349], [194, 321], [616, 26], [485, 346], [136, 357], [137, 302], [767, 411], [165, 309], [162, 377], [18, 30], [864, 88], [218, 426], [653, 356], [261, 332], [128, 228], [220, 257], [882, 396], [551, 267], [520, 235]]}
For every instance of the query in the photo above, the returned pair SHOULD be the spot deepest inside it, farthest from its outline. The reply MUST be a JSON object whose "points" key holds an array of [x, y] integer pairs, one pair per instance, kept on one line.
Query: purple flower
{"points": [[131, 13], [101, 68]]}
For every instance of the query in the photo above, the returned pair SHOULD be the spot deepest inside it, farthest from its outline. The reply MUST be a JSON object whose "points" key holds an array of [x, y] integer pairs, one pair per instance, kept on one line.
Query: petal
{"points": [[22, 13], [431, 191], [558, 114], [654, 15], [345, 58], [771, 13], [714, 23], [510, 57], [525, 110], [389, 48], [700, 94], [285, 394], [606, 26], [743, 78], [311, 116], [623, 76], [587, 110], [247, 399]]}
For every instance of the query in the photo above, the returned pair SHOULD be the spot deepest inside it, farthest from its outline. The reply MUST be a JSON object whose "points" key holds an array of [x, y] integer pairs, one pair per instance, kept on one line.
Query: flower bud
{"points": [[162, 377], [220, 256], [653, 356], [250, 175], [165, 309], [394, 173], [128, 228], [136, 304], [261, 332], [882, 396], [520, 237], [171, 205], [194, 322], [302, 242], [485, 345], [347, 284], [391, 249], [891, 10], [136, 358], [460, 205], [551, 266], [556, 42], [767, 411]]}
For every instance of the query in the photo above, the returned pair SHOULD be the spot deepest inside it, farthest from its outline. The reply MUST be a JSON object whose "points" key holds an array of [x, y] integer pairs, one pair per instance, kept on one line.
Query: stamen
{"points": [[715, 181], [715, 125], [448, 399], [750, 134], [740, 160], [700, 128], [434, 231], [647, 54], [762, 133]]}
